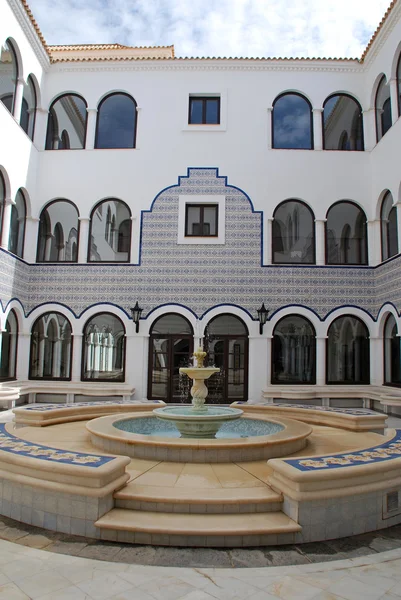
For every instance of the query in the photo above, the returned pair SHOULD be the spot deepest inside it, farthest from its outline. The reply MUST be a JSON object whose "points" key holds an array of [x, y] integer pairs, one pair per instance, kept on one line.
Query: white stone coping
{"points": [[387, 395], [369, 421]]}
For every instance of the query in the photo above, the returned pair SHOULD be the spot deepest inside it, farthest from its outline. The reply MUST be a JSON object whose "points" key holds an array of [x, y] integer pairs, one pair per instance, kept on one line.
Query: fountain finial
{"points": [[199, 357]]}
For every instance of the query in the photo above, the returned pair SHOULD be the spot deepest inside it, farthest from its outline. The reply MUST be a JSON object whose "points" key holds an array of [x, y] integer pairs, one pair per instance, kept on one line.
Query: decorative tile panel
{"points": [[200, 276]]}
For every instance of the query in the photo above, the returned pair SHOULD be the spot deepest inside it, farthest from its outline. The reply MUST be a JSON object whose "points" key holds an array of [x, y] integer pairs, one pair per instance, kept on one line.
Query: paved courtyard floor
{"points": [[41, 565]]}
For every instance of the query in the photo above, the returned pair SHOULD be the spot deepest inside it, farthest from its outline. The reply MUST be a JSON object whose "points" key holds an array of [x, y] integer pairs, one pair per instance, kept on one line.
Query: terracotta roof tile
{"points": [[35, 25], [374, 36]]}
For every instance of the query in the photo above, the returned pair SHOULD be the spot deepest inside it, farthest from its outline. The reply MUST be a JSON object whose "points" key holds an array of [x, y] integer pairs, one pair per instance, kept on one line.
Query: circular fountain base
{"points": [[192, 423], [247, 439]]}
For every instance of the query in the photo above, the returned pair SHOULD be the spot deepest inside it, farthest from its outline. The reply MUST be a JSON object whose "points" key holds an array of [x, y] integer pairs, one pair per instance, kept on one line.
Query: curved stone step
{"points": [[167, 529], [194, 500]]}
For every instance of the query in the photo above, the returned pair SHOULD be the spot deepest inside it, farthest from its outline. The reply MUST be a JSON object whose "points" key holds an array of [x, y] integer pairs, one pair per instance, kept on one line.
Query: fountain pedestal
{"points": [[198, 421]]}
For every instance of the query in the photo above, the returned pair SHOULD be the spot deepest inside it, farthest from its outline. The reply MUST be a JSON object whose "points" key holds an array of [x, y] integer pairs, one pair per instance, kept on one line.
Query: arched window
{"points": [[294, 351], [293, 233], [106, 218], [51, 347], [292, 122], [383, 109], [348, 351], [67, 121], [124, 236], [170, 347], [227, 347], [17, 226], [58, 233], [2, 200], [103, 356], [392, 353], [346, 236], [8, 348], [116, 122], [399, 84], [8, 75], [389, 232], [342, 123], [28, 108]]}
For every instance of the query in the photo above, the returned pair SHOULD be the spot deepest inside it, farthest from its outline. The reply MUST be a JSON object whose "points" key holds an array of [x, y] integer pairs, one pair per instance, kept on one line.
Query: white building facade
{"points": [[201, 189]]}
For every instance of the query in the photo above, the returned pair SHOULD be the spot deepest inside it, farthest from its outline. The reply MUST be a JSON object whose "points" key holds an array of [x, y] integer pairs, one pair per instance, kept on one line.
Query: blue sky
{"points": [[322, 28]]}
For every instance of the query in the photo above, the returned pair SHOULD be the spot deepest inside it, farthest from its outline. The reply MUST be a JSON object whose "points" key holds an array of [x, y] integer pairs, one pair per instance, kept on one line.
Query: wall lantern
{"points": [[262, 316], [136, 315]]}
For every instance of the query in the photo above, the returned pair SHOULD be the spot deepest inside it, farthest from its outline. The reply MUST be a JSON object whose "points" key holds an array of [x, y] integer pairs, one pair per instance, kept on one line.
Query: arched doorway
{"points": [[227, 347], [170, 347]]}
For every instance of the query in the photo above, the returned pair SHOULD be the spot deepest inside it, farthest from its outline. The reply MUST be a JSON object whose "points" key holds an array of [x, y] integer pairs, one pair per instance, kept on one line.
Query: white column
{"points": [[5, 235], [376, 360], [374, 242], [31, 239], [258, 361], [317, 129], [394, 99], [268, 363], [321, 360], [320, 241], [19, 93], [269, 127], [369, 128], [41, 119], [23, 351], [398, 205], [91, 128], [83, 239], [134, 247], [268, 242]]}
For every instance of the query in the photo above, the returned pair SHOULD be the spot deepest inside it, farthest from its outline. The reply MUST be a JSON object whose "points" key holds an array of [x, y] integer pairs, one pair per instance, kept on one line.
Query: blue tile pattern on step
{"points": [[14, 445], [332, 409], [383, 452], [49, 407]]}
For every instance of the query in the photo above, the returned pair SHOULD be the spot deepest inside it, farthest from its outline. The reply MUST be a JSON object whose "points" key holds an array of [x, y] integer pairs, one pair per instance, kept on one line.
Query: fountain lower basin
{"points": [[197, 424], [155, 444]]}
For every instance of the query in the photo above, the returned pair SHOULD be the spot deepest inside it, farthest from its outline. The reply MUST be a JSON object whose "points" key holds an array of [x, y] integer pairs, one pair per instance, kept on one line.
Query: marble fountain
{"points": [[247, 475]]}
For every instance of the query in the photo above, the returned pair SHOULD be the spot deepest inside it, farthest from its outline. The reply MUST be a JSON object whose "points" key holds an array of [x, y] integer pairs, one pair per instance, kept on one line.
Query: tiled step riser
{"points": [[194, 508], [198, 541]]}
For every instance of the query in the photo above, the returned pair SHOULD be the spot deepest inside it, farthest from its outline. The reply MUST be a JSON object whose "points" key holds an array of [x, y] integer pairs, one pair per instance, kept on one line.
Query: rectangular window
{"points": [[201, 220], [204, 110]]}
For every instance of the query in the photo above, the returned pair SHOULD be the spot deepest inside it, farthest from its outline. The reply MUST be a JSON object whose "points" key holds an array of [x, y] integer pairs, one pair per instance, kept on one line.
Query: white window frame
{"points": [[220, 200]]}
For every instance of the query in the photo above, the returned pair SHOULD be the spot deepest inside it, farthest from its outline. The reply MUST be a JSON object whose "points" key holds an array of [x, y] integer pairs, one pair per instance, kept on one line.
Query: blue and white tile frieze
{"points": [[199, 276]]}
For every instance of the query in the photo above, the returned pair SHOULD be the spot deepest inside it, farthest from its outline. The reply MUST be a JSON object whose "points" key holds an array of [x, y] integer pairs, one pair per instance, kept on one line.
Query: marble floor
{"points": [[28, 573]]}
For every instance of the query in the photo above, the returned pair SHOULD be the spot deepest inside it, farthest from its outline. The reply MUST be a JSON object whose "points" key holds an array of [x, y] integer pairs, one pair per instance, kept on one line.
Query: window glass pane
{"points": [[2, 199], [51, 347], [342, 121], [28, 108], [389, 233], [109, 243], [8, 355], [58, 233], [226, 325], [348, 351], [383, 109], [68, 114], [171, 324], [193, 220], [104, 343], [196, 111], [116, 122], [210, 220], [292, 125], [346, 235], [399, 85], [17, 227], [212, 111], [392, 353], [8, 75], [293, 234], [294, 351]]}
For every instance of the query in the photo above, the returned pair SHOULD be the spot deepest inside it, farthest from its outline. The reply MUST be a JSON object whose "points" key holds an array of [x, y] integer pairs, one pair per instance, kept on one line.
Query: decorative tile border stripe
{"points": [[49, 407], [381, 453], [345, 411], [14, 445]]}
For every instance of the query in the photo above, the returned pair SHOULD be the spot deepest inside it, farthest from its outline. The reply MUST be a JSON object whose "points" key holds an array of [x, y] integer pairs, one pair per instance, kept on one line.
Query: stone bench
{"points": [[351, 419], [52, 414]]}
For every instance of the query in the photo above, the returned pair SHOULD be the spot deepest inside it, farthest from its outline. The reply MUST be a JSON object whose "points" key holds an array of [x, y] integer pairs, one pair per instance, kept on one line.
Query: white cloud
{"points": [[322, 28]]}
